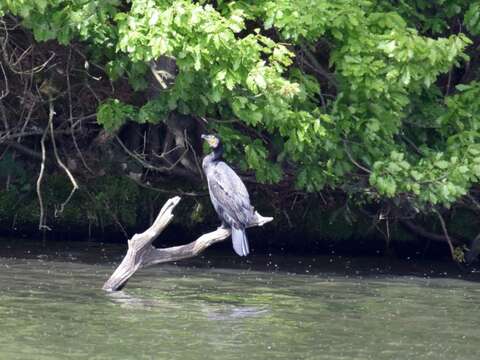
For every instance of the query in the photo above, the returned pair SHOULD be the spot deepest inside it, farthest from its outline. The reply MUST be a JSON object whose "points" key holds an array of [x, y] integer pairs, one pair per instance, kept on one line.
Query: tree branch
{"points": [[60, 162], [419, 230], [347, 151], [42, 222], [445, 232], [23, 149], [141, 253], [317, 67]]}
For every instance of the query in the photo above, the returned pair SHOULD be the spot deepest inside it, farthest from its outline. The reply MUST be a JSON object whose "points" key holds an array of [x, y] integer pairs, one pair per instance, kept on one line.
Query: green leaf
{"points": [[442, 164]]}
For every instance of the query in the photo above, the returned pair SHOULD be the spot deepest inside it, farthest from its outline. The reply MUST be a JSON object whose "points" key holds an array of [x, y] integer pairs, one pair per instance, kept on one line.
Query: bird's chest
{"points": [[210, 174], [210, 171]]}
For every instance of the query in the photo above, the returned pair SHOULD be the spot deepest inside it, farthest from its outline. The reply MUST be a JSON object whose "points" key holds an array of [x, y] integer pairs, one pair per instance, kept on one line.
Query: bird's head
{"points": [[212, 140]]}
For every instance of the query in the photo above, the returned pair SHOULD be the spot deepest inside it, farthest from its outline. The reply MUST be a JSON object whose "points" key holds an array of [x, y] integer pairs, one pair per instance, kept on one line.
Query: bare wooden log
{"points": [[141, 253]]}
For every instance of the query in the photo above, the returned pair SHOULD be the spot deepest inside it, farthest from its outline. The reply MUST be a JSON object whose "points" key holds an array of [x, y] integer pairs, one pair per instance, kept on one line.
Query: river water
{"points": [[270, 307]]}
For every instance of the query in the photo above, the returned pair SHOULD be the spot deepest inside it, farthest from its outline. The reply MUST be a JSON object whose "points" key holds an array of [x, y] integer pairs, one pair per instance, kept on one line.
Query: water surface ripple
{"points": [[55, 310]]}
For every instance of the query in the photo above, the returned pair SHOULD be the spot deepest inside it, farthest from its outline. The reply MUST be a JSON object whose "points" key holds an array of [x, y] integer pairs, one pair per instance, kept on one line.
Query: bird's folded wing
{"points": [[230, 192]]}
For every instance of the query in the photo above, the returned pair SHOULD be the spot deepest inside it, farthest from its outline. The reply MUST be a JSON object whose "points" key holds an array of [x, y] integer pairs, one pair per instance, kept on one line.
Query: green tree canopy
{"points": [[377, 98]]}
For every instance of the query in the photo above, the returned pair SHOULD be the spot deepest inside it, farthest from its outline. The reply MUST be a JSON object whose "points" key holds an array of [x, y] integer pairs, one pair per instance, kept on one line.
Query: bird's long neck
{"points": [[215, 155]]}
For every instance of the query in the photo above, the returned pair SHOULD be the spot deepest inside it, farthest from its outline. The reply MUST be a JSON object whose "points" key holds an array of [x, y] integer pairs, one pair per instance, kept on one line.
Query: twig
{"points": [[4, 117], [112, 214], [474, 250], [24, 149], [449, 82], [22, 55], [368, 171], [474, 201], [7, 89], [447, 237], [164, 191], [59, 161], [34, 70], [42, 224], [195, 157], [5, 136], [70, 118], [315, 65], [166, 170], [412, 144], [161, 75], [27, 119], [419, 230]]}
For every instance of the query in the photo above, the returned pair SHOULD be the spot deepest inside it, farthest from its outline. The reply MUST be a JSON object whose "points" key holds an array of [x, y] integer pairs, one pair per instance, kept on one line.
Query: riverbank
{"points": [[111, 209], [221, 256]]}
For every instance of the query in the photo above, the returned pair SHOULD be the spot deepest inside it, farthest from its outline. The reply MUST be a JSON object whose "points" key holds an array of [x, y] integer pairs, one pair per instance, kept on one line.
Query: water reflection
{"points": [[132, 302], [233, 312], [213, 311]]}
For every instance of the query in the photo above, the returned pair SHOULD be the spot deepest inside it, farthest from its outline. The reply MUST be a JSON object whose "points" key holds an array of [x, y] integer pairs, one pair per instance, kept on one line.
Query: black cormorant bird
{"points": [[228, 194]]}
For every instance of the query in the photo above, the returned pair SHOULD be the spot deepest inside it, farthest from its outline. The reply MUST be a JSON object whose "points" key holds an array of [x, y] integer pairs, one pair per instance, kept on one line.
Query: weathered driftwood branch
{"points": [[141, 253]]}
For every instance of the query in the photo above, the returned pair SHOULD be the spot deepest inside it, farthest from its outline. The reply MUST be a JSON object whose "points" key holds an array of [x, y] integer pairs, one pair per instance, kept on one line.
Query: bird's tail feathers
{"points": [[239, 240]]}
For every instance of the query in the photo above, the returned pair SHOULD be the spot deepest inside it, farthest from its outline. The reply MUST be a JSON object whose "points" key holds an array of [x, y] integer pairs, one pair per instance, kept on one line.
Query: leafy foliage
{"points": [[112, 114], [353, 94]]}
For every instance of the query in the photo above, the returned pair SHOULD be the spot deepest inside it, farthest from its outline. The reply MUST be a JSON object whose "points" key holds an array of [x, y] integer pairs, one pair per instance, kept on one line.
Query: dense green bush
{"points": [[378, 98]]}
